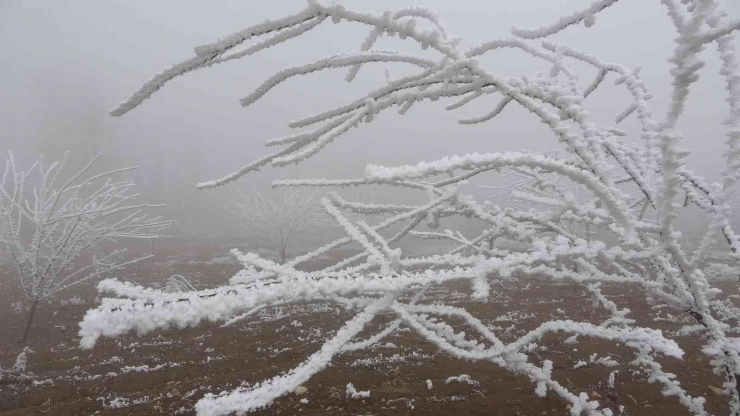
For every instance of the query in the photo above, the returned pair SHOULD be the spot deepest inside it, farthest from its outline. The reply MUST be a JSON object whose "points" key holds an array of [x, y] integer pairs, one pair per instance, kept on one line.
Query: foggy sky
{"points": [[67, 63]]}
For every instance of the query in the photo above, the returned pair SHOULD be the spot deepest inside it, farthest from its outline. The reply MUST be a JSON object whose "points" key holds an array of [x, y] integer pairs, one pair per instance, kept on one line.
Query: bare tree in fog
{"points": [[48, 228], [281, 218]]}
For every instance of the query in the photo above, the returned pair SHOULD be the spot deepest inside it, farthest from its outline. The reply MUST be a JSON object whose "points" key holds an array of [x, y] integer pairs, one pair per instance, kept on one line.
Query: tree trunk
{"points": [[30, 322], [282, 255]]}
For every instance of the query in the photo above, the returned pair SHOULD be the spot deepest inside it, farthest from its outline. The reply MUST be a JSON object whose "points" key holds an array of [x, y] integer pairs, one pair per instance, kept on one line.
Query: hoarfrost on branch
{"points": [[600, 209]]}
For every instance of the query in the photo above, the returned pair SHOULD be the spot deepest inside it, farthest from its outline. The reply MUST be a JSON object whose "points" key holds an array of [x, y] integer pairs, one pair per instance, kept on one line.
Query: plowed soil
{"points": [[165, 373]]}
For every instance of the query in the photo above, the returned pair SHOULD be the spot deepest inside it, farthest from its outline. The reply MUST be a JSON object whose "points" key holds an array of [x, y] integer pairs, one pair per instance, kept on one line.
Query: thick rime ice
{"points": [[353, 393], [462, 378], [599, 209]]}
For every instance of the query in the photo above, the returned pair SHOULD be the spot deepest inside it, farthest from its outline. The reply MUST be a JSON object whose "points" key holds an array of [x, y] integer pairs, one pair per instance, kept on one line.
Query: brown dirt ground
{"points": [[195, 361]]}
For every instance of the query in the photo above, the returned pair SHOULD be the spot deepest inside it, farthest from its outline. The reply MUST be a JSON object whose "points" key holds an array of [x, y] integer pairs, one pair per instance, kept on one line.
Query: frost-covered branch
{"points": [[602, 208]]}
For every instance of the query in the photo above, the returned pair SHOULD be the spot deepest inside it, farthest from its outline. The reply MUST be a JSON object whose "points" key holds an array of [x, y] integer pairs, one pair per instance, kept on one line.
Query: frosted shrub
{"points": [[50, 225]]}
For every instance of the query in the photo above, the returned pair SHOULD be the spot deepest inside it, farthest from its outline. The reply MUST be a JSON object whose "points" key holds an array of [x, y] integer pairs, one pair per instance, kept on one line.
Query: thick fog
{"points": [[67, 63]]}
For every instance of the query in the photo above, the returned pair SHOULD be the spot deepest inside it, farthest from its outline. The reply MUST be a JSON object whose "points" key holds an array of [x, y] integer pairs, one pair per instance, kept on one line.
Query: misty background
{"points": [[67, 63]]}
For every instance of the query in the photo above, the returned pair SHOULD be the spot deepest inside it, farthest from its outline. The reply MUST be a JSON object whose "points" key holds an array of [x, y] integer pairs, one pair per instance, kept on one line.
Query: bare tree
{"points": [[49, 228], [281, 218]]}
